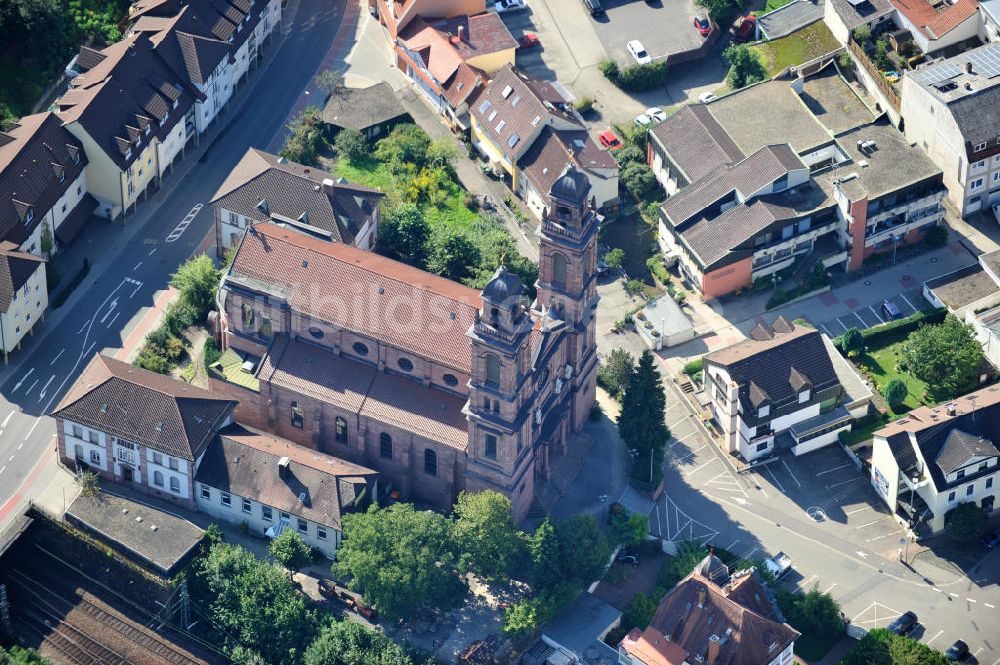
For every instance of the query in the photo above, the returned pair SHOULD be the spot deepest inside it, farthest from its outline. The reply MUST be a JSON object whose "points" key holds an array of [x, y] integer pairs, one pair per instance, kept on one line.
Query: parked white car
{"points": [[642, 121], [505, 6], [778, 565], [656, 114], [637, 51], [706, 97]]}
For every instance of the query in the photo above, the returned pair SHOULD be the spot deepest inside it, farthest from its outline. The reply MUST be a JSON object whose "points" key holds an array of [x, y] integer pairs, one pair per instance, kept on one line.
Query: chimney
{"points": [[283, 467], [702, 594], [461, 36], [952, 409], [714, 645], [327, 185], [968, 67]]}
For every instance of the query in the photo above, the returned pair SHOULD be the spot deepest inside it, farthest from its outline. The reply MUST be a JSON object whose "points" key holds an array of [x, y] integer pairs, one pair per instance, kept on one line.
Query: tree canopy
{"points": [[484, 532], [197, 280], [20, 656], [881, 647], [402, 560], [305, 137], [745, 66], [946, 357], [616, 371], [289, 550], [966, 522], [351, 143], [853, 341], [642, 421], [583, 548], [895, 392], [351, 643], [403, 235]]}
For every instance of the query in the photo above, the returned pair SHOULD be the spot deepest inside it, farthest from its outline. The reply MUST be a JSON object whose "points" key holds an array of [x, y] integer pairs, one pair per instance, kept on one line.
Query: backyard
{"points": [[881, 365], [799, 47]]}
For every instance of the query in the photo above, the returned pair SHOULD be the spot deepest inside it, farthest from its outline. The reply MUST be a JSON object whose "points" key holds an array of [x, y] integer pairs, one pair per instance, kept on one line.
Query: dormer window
{"points": [[29, 216], [804, 395], [149, 129], [764, 411], [979, 147], [76, 157], [176, 101], [62, 176]]}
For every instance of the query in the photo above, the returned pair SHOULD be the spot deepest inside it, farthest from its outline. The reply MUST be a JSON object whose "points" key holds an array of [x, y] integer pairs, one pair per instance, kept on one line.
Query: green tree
{"points": [[719, 10], [628, 530], [46, 240], [289, 551], [442, 152], [485, 534], [197, 280], [614, 258], [894, 393], [846, 62], [352, 643], [639, 180], [453, 255], [745, 66], [89, 482], [862, 34], [351, 144], [253, 605], [526, 615], [543, 550], [642, 423], [402, 560], [814, 614], [305, 137], [853, 342], [330, 81], [614, 373], [966, 522], [634, 287], [404, 234], [946, 357], [21, 656], [638, 612], [406, 143], [880, 647], [583, 548], [630, 154]]}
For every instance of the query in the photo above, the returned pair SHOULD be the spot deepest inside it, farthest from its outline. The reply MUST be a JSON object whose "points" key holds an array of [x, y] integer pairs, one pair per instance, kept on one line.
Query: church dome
{"points": [[503, 286], [571, 185]]}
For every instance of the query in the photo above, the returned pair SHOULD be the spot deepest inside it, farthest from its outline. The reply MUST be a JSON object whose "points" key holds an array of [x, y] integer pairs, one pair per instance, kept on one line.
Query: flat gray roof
{"points": [[963, 286], [833, 102], [766, 114], [855, 387], [145, 534], [582, 623], [667, 316], [793, 16]]}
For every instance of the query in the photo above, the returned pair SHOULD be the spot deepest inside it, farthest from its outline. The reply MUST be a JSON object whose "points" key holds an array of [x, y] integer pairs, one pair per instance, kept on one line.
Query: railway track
{"points": [[76, 645], [58, 603]]}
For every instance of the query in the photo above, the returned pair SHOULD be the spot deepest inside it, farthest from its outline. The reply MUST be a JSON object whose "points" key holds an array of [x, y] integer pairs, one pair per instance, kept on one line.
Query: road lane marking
{"points": [[17, 385], [137, 266], [939, 633], [151, 252], [112, 321], [836, 468], [6, 420], [20, 445], [3, 468], [80, 331], [61, 351], [37, 420], [41, 396], [28, 391], [790, 473], [992, 607], [114, 303], [136, 290], [11, 459]]}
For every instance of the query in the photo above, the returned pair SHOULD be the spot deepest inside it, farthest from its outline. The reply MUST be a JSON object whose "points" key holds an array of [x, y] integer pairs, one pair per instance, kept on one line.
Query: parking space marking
{"points": [[714, 459], [857, 510], [937, 635], [846, 326], [992, 607], [791, 474], [775, 478], [691, 453], [827, 331], [806, 583], [732, 544], [884, 535], [887, 616], [906, 300], [872, 308], [830, 588], [679, 526], [844, 482], [871, 523], [836, 468], [863, 324]]}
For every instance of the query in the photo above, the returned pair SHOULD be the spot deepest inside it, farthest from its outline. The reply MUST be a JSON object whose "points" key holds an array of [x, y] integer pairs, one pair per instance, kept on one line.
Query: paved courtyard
{"points": [[662, 27]]}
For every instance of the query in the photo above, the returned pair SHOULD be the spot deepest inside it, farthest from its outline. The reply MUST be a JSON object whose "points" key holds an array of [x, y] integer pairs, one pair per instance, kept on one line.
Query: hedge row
{"points": [[895, 331]]}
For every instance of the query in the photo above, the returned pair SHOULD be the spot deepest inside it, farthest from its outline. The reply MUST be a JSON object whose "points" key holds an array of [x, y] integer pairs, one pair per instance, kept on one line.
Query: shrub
{"points": [[694, 366], [584, 104], [639, 180], [351, 143], [745, 66], [630, 154], [635, 78], [845, 61], [966, 522], [894, 393], [656, 267], [862, 34], [610, 70], [211, 352], [898, 330], [638, 612], [634, 287]]}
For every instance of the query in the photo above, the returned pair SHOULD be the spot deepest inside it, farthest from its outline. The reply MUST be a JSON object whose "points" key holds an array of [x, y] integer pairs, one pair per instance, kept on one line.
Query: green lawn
{"points": [[772, 5], [451, 213], [800, 46], [881, 366]]}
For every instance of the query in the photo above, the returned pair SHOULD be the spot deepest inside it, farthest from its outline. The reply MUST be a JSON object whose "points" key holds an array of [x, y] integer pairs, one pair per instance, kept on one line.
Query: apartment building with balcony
{"points": [[935, 458], [137, 428], [950, 109], [785, 387], [783, 175]]}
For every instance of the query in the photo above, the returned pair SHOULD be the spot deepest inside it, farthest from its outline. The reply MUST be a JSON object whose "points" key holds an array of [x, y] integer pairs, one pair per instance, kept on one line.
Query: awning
{"points": [[275, 529], [75, 220]]}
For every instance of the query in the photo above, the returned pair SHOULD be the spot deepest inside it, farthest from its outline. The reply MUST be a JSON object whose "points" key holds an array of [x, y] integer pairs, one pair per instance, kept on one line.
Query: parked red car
{"points": [[702, 25], [609, 140], [528, 40], [745, 29]]}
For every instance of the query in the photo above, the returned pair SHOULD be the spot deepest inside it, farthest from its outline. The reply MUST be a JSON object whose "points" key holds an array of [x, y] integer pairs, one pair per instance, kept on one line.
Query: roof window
{"points": [[534, 123], [512, 141], [501, 125], [485, 106], [506, 92]]}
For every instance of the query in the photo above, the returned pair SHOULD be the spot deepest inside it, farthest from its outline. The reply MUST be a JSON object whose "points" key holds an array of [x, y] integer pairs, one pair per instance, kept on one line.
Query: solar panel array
{"points": [[937, 74], [986, 60]]}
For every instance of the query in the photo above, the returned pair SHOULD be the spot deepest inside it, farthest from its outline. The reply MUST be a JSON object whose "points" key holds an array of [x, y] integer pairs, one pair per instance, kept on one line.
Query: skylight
{"points": [[503, 123], [512, 141], [484, 106], [506, 92]]}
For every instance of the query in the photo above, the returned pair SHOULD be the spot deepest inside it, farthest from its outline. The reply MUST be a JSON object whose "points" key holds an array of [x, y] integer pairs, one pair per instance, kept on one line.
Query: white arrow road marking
{"points": [[46, 387], [863, 555], [114, 303], [17, 385]]}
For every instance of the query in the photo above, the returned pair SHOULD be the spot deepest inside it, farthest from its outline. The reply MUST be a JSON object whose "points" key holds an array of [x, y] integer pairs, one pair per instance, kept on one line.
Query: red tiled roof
{"points": [[483, 34], [433, 414], [363, 292], [932, 23], [442, 59]]}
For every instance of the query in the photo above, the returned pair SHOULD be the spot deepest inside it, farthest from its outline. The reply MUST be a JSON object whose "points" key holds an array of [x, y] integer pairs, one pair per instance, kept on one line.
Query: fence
{"points": [[862, 58]]}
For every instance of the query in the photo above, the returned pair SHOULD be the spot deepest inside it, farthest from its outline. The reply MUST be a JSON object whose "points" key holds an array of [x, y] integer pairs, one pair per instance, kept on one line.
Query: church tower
{"points": [[499, 410], [567, 280]]}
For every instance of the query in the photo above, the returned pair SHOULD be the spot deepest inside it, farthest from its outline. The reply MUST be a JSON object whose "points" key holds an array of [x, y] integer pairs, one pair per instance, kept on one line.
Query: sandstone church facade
{"points": [[438, 387]]}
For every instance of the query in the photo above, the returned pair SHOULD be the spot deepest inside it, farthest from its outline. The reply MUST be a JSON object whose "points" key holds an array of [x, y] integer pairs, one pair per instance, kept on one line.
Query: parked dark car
{"points": [[903, 624], [594, 7], [630, 558], [991, 540], [957, 652], [891, 310]]}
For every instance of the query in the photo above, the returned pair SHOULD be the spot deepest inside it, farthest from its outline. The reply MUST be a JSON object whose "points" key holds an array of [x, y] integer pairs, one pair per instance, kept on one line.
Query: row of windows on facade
{"points": [[970, 488], [264, 329], [30, 215], [978, 182], [95, 437], [266, 512], [175, 483]]}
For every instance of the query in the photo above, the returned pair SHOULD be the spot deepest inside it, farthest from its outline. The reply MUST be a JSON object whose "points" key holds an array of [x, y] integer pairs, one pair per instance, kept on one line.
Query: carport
{"points": [[818, 431]]}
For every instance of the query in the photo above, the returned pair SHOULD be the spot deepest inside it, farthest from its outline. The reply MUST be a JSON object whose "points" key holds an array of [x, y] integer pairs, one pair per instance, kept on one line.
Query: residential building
{"points": [[935, 26], [529, 130], [127, 108], [950, 110], [711, 618], [373, 111], [436, 386], [449, 59], [213, 45], [785, 387], [395, 15], [264, 187], [24, 295], [990, 11], [845, 16], [271, 484], [43, 183], [928, 462], [577, 634], [138, 428], [787, 175]]}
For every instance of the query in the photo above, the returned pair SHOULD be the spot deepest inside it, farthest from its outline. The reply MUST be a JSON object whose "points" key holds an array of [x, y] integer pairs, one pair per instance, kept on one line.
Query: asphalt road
{"points": [[126, 275]]}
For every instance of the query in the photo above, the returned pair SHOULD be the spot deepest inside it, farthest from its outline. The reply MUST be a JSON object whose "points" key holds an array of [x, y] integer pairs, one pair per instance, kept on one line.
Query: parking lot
{"points": [[868, 314], [662, 27]]}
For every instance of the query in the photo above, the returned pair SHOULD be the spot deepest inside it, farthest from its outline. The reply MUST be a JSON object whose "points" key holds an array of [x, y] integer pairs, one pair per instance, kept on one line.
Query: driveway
{"points": [[664, 28]]}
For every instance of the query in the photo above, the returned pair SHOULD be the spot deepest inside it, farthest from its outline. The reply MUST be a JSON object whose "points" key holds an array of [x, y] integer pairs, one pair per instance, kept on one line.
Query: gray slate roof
{"points": [[864, 12], [959, 447], [292, 190], [696, 142], [150, 409], [361, 108], [15, 269]]}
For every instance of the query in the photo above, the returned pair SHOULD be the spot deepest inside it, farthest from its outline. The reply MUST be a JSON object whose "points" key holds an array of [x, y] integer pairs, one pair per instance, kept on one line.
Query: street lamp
{"points": [[895, 241], [604, 505]]}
